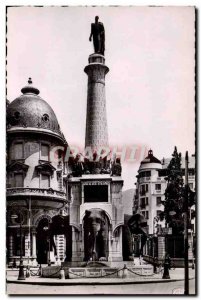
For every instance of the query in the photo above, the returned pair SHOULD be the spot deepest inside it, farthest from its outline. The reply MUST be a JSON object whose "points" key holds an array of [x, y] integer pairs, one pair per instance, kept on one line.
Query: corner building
{"points": [[36, 198]]}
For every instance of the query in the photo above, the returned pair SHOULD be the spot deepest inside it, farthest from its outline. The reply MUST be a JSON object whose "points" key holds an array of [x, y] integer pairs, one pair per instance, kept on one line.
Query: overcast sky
{"points": [[150, 86]]}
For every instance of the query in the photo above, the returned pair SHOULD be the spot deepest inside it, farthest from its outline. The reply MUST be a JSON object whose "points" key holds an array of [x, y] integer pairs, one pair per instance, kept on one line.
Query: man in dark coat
{"points": [[98, 33]]}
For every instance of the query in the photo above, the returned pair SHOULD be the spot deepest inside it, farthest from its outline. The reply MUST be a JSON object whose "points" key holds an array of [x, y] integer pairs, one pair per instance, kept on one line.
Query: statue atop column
{"points": [[98, 33]]}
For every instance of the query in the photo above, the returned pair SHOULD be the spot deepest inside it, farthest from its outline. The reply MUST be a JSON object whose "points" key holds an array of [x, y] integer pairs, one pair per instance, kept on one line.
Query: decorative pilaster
{"points": [[111, 240], [96, 120], [115, 251], [27, 245], [34, 243], [11, 243], [161, 247], [76, 245], [33, 247], [60, 245]]}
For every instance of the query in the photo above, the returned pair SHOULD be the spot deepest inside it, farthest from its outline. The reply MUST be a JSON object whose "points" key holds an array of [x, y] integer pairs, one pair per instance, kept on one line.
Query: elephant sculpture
{"points": [[96, 230], [133, 225], [137, 226]]}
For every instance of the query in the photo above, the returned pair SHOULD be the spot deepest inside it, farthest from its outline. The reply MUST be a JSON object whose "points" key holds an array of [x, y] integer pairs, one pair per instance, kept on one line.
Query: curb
{"points": [[70, 282]]}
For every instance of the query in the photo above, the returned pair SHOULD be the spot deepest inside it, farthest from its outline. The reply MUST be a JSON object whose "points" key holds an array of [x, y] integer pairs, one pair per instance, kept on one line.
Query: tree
{"points": [[175, 195]]}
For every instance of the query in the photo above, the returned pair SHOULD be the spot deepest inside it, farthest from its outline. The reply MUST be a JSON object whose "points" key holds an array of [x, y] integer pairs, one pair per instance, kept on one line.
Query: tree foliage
{"points": [[175, 195]]}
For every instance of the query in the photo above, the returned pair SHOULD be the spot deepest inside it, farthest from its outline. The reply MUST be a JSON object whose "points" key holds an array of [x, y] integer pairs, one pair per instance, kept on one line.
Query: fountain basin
{"points": [[98, 270]]}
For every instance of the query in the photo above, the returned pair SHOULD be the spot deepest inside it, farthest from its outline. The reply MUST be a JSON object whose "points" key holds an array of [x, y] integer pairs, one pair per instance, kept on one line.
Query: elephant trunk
{"points": [[94, 245]]}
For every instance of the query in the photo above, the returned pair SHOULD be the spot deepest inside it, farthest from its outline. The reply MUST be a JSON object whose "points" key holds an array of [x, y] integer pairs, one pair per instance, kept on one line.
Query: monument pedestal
{"points": [[111, 208]]}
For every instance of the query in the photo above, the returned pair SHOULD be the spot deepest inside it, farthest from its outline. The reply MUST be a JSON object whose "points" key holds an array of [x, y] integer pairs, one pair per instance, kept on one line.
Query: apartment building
{"points": [[151, 185]]}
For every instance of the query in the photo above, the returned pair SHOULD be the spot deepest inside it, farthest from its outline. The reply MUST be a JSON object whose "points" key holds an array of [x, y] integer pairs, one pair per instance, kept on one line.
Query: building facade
{"points": [[35, 190], [151, 186], [150, 191]]}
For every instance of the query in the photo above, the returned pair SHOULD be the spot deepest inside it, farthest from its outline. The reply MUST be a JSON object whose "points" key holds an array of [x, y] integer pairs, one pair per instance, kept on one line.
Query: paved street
{"points": [[152, 288]]}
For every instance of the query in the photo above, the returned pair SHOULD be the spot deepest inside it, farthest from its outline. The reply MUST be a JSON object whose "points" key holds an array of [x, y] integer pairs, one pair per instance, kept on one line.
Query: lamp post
{"points": [[47, 229], [154, 258], [29, 226], [21, 267], [133, 248], [186, 282], [167, 261], [193, 265], [155, 220]]}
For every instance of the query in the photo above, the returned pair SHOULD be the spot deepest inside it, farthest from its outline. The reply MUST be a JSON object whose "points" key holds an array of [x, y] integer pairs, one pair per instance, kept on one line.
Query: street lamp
{"points": [[155, 220], [193, 265], [47, 229], [154, 258], [133, 248], [186, 272], [21, 267]]}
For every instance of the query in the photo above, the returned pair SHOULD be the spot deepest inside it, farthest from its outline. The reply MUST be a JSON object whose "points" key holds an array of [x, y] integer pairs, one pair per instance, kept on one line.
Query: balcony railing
{"points": [[144, 179], [35, 192]]}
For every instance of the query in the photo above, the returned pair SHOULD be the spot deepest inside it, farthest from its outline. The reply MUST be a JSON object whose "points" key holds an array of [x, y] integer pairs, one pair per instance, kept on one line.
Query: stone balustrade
{"points": [[35, 192]]}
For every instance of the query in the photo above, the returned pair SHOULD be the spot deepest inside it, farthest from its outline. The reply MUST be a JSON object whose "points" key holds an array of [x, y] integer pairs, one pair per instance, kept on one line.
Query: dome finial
{"points": [[30, 81], [29, 88], [150, 153]]}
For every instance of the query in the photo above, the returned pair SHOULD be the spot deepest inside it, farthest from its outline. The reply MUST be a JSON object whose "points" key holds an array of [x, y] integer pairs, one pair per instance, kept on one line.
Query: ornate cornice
{"points": [[17, 166], [45, 167]]}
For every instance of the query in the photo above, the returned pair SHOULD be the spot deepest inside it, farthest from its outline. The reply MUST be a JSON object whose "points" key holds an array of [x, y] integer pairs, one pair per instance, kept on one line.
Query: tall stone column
{"points": [[96, 120]]}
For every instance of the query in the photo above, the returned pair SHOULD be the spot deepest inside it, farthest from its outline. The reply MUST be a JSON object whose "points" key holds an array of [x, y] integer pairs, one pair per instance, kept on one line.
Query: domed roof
{"points": [[30, 110], [150, 158]]}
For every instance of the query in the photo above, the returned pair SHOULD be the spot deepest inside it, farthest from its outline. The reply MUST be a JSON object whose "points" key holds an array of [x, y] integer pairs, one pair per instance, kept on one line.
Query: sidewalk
{"points": [[175, 275]]}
